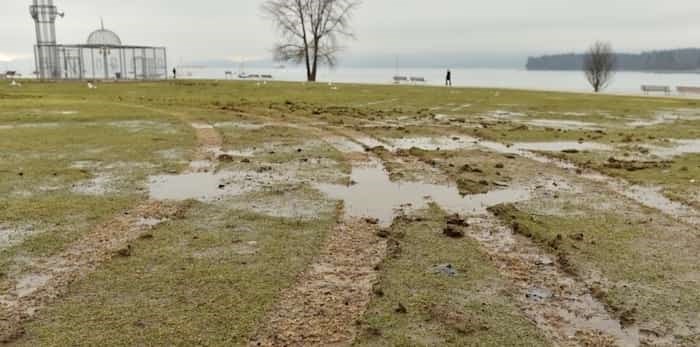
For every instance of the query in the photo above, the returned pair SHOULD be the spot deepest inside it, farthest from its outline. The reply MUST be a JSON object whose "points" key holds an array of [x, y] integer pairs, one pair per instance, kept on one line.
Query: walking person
{"points": [[448, 79], [174, 73]]}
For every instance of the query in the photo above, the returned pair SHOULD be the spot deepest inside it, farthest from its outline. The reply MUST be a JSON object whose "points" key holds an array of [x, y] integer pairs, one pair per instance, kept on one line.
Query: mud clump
{"points": [[226, 158], [627, 318], [372, 221], [445, 269], [383, 233], [634, 165], [464, 324], [577, 237], [453, 232], [10, 330], [125, 252], [457, 220], [401, 309]]}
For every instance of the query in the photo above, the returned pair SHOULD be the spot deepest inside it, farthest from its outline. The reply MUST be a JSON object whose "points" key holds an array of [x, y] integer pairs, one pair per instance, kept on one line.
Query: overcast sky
{"points": [[232, 29]]}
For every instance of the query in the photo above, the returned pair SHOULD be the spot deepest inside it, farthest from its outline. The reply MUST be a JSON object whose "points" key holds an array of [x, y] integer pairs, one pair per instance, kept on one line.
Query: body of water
{"points": [[623, 82]]}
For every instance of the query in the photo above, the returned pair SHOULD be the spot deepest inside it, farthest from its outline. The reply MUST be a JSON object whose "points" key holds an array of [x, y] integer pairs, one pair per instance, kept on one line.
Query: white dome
{"points": [[104, 37]]}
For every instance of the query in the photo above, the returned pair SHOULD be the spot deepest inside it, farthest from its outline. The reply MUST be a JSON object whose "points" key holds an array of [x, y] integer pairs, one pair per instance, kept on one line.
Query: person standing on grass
{"points": [[174, 73], [448, 79]]}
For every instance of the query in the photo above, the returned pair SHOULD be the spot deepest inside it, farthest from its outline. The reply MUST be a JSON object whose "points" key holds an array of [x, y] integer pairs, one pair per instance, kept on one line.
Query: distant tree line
{"points": [[670, 60]]}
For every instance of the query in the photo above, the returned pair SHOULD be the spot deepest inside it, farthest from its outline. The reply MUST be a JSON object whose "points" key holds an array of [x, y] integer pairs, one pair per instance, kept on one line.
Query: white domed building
{"points": [[102, 57], [104, 37]]}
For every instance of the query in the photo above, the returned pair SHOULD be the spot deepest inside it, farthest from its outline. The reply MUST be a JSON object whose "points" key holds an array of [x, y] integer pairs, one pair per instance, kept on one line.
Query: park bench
{"points": [[661, 89], [8, 74], [417, 79], [688, 90], [399, 79]]}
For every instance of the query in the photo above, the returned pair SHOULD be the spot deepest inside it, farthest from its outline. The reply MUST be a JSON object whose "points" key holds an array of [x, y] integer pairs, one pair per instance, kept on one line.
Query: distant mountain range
{"points": [[676, 60]]}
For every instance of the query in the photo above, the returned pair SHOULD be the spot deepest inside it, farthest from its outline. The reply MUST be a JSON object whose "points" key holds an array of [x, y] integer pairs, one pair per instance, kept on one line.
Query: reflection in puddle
{"points": [[374, 195]]}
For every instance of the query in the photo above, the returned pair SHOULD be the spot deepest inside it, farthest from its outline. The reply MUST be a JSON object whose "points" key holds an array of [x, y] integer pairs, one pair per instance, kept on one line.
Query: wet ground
{"points": [[510, 217]]}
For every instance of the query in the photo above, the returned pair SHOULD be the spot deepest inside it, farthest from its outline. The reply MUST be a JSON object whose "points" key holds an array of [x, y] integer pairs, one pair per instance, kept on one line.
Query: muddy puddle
{"points": [[648, 196], [99, 185], [10, 236], [29, 126], [344, 145], [559, 146], [212, 186], [242, 125], [374, 195], [563, 124], [140, 124], [524, 148], [433, 143], [665, 118], [502, 114], [559, 304], [675, 148], [370, 142]]}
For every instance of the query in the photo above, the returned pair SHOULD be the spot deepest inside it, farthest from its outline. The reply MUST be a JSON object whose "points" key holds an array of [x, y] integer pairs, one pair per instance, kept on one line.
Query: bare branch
{"points": [[310, 30], [599, 65]]}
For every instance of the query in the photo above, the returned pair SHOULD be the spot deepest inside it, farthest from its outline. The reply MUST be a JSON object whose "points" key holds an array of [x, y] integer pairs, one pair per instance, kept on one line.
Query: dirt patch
{"points": [[562, 306], [207, 138], [322, 308]]}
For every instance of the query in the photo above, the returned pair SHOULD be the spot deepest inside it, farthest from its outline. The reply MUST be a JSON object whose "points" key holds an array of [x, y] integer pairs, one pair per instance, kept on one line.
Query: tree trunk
{"points": [[314, 62]]}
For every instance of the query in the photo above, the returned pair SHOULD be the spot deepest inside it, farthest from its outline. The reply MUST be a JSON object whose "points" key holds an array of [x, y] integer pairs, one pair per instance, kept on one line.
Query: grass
{"points": [[207, 279], [196, 282], [648, 262], [472, 308], [44, 168]]}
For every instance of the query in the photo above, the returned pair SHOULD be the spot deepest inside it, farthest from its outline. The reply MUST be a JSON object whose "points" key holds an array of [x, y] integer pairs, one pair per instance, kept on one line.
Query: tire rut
{"points": [[327, 299], [51, 277]]}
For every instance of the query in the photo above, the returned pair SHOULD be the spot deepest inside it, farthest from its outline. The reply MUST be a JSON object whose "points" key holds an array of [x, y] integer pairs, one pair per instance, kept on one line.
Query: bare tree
{"points": [[310, 30], [599, 65]]}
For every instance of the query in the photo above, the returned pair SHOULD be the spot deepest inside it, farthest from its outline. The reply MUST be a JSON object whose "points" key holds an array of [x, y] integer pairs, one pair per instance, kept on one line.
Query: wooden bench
{"points": [[688, 90], [399, 79], [660, 89], [417, 79]]}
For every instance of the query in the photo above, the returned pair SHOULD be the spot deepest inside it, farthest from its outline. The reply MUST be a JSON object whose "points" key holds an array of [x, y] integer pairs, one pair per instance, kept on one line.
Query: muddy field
{"points": [[286, 214]]}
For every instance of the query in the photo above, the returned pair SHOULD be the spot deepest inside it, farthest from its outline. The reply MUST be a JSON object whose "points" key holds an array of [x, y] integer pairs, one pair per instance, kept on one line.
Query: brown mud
{"points": [[321, 309]]}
